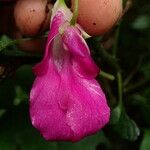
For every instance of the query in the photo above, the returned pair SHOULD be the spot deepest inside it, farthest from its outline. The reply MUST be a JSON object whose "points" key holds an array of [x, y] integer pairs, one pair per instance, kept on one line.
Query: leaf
{"points": [[141, 23], [23, 73], [36, 142], [5, 41], [115, 115], [6, 142], [146, 70], [127, 128], [6, 93], [89, 143], [145, 145], [141, 102], [2, 112], [20, 96]]}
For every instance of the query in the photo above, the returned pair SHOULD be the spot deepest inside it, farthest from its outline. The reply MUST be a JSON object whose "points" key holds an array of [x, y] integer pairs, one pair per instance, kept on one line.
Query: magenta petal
{"points": [[45, 112], [87, 111], [66, 107], [56, 22], [82, 61]]}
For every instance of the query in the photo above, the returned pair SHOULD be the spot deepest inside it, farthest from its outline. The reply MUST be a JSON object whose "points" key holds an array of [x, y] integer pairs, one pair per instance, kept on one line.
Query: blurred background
{"points": [[129, 126]]}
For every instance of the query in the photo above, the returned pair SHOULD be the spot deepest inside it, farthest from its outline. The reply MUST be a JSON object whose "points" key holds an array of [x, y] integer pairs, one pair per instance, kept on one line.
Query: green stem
{"points": [[111, 60], [107, 75], [120, 89], [101, 52], [62, 2], [109, 92], [28, 39], [17, 41], [116, 42], [119, 75], [75, 13]]}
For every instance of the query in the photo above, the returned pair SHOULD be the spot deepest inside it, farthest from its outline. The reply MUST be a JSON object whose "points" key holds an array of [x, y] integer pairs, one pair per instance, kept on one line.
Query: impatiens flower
{"points": [[66, 102]]}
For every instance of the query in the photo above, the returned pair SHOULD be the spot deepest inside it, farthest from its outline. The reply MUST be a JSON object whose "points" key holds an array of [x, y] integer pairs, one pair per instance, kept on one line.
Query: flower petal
{"points": [[46, 114], [86, 110], [82, 61], [67, 107], [61, 16], [57, 20]]}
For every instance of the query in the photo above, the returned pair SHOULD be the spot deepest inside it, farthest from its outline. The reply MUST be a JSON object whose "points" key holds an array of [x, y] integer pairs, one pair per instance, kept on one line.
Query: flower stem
{"points": [[101, 52], [61, 1], [107, 75], [119, 74], [75, 13], [116, 41], [17, 41], [120, 89]]}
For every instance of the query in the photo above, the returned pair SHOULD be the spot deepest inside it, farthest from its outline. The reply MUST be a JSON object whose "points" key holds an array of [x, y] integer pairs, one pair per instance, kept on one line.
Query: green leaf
{"points": [[89, 143], [141, 102], [6, 142], [20, 95], [141, 23], [2, 112], [146, 70], [6, 93], [35, 142], [127, 128], [5, 41], [145, 145], [23, 73], [115, 115]]}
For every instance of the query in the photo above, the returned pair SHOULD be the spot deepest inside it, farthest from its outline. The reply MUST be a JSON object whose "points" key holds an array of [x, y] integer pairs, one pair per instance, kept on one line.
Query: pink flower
{"points": [[66, 102]]}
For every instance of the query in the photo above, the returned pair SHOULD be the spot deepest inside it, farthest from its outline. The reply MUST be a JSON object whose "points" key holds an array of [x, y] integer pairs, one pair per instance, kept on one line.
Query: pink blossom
{"points": [[66, 102]]}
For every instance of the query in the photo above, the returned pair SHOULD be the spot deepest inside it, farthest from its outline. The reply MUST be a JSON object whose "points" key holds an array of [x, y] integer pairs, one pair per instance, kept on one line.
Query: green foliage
{"points": [[115, 115], [89, 143], [127, 128], [4, 42], [2, 112], [141, 23], [20, 95], [145, 145]]}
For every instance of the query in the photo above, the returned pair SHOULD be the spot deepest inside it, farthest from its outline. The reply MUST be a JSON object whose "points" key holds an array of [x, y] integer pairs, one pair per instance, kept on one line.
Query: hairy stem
{"points": [[116, 42], [75, 12], [120, 89], [107, 75]]}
